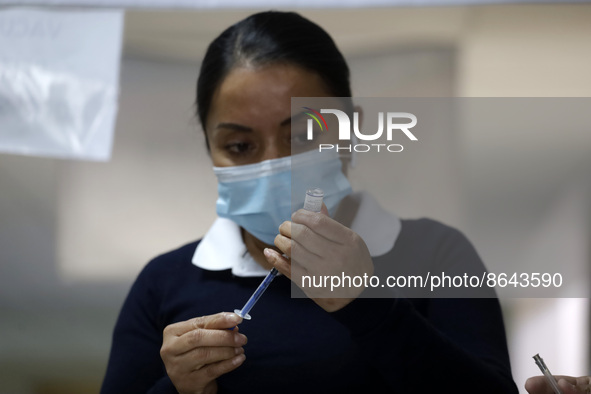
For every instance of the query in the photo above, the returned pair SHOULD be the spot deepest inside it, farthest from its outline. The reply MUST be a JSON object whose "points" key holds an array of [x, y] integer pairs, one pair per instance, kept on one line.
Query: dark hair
{"points": [[271, 37]]}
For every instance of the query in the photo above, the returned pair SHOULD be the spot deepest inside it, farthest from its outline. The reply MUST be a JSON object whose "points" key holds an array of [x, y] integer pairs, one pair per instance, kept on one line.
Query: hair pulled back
{"points": [[266, 38]]}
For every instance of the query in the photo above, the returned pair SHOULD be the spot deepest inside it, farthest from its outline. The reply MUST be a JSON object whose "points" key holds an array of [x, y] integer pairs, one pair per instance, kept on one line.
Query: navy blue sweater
{"points": [[294, 346]]}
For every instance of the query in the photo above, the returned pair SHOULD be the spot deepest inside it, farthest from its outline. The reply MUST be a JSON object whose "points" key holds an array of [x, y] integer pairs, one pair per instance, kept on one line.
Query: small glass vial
{"points": [[313, 201]]}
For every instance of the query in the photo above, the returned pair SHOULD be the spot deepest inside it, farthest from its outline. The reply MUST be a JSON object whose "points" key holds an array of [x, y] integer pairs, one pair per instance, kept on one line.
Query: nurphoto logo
{"points": [[393, 127]]}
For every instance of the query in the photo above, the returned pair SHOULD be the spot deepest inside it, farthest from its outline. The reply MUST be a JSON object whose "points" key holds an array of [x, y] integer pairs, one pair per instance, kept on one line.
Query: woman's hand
{"points": [[318, 246], [567, 384], [197, 351]]}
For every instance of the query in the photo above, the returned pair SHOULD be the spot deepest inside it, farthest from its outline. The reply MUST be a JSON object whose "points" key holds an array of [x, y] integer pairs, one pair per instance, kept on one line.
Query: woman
{"points": [[171, 335]]}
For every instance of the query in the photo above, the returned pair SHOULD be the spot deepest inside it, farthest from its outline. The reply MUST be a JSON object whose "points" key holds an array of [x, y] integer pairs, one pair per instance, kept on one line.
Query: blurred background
{"points": [[74, 234]]}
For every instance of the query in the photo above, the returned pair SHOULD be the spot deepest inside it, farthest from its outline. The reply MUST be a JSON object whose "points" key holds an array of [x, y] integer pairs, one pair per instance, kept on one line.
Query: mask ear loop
{"points": [[351, 158], [353, 161], [354, 140]]}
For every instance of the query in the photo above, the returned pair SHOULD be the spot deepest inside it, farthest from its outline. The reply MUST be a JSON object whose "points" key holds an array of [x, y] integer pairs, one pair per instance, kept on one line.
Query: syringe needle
{"points": [[551, 380]]}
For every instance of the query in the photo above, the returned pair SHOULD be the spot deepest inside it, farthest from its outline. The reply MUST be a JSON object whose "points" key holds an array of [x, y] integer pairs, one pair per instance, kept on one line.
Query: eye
{"points": [[300, 137], [239, 147]]}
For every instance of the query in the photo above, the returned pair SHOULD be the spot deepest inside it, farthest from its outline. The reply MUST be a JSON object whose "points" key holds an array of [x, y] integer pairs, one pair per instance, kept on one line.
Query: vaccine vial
{"points": [[313, 201]]}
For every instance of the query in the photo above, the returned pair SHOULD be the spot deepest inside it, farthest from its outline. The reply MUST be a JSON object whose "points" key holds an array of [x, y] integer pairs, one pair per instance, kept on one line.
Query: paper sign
{"points": [[59, 75]]}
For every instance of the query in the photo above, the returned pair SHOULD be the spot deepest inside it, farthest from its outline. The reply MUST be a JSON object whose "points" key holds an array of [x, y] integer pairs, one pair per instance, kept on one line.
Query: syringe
{"points": [[312, 202], [551, 380], [243, 313]]}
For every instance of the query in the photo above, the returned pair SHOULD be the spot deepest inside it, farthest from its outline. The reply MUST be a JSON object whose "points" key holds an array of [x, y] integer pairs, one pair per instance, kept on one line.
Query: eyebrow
{"points": [[242, 128], [233, 126], [294, 118]]}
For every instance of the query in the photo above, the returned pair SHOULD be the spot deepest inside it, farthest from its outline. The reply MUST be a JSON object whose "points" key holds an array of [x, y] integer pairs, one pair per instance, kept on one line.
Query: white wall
{"points": [[533, 51]]}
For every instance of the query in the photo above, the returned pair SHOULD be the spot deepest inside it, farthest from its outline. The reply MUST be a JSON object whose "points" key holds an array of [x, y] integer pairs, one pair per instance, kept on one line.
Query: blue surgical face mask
{"points": [[261, 196]]}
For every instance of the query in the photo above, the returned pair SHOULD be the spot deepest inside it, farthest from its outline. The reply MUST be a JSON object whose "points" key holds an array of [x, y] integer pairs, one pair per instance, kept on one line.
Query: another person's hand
{"points": [[197, 351], [321, 247], [567, 384]]}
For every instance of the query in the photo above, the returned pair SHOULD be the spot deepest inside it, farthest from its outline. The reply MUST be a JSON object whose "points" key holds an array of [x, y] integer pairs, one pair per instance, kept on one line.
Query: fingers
{"points": [[201, 337], [585, 383], [283, 265], [222, 320], [567, 384], [538, 385], [570, 385], [302, 235], [197, 358], [569, 379], [215, 370], [182, 368], [205, 331], [202, 376], [196, 351], [295, 249], [283, 243], [322, 225], [278, 261], [285, 229], [568, 388]]}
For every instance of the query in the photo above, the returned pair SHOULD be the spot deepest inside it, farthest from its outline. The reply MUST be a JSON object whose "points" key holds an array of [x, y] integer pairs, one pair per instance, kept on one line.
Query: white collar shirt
{"points": [[222, 246]]}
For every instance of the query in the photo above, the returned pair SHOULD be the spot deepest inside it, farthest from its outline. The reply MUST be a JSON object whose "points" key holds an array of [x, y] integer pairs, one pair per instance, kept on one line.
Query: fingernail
{"points": [[233, 318], [238, 350], [240, 339], [267, 252], [238, 359]]}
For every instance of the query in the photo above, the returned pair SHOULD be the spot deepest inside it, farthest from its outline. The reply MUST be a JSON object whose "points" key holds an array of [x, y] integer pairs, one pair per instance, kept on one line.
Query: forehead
{"points": [[247, 93]]}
